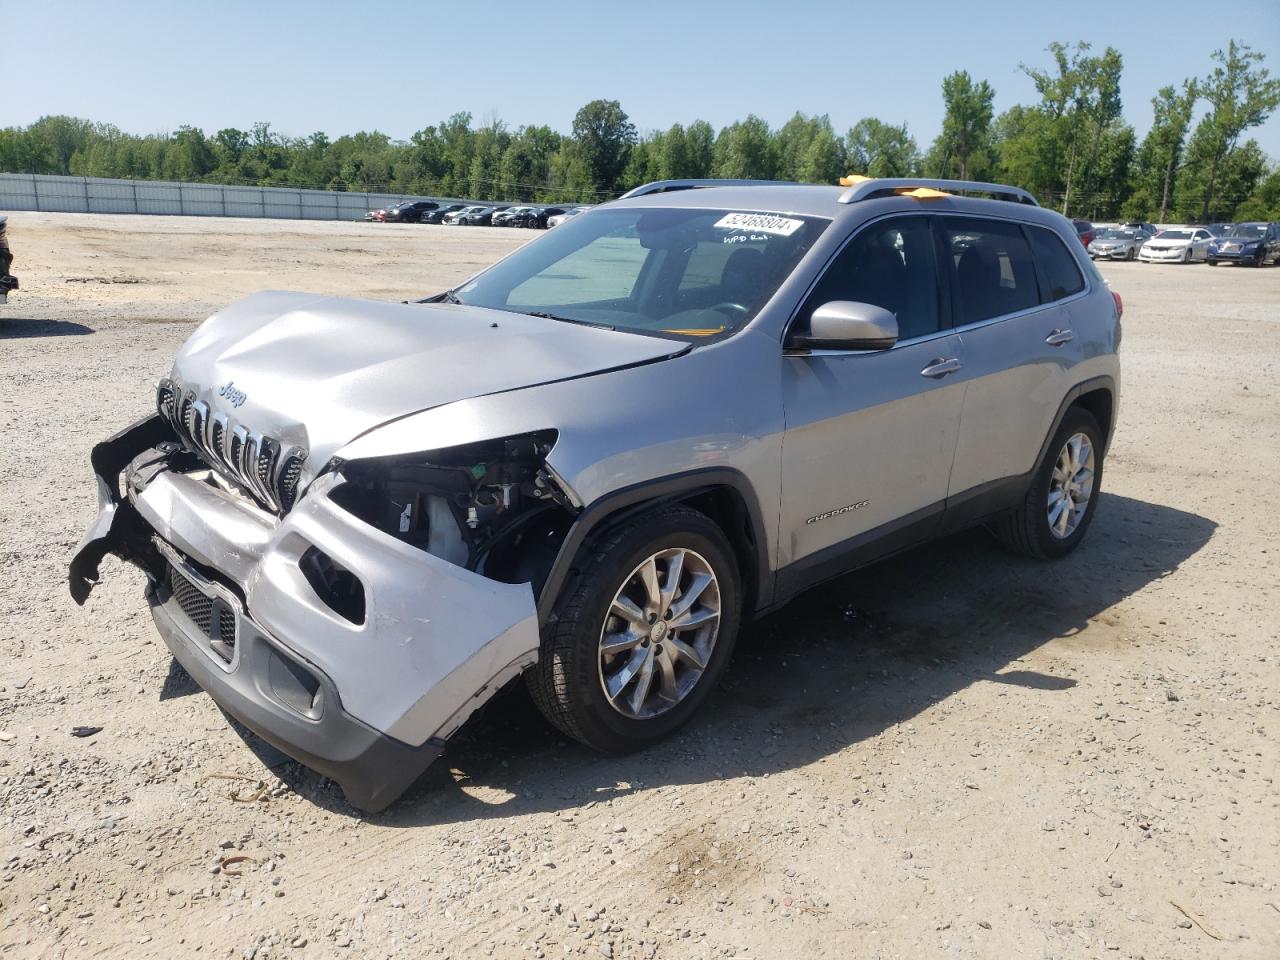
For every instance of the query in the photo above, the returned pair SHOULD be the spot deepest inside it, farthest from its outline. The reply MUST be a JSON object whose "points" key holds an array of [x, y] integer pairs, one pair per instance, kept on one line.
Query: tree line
{"points": [[1072, 148]]}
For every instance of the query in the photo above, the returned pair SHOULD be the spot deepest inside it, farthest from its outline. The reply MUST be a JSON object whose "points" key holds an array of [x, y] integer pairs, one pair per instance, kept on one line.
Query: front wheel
{"points": [[1059, 506], [641, 636]]}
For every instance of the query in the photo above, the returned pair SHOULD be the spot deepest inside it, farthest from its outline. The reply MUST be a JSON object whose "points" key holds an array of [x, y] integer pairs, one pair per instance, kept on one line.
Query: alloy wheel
{"points": [[1070, 486], [659, 633]]}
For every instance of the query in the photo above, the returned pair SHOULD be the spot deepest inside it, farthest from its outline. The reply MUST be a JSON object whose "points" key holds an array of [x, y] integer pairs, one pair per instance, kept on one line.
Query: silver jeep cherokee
{"points": [[592, 461]]}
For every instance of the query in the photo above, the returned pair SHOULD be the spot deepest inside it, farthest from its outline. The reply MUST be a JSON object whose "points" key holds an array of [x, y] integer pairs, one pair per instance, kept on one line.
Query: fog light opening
{"points": [[339, 588]]}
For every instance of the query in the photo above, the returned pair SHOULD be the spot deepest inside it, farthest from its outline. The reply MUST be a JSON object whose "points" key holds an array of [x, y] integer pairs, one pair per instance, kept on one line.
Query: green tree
{"points": [[1161, 155], [745, 151], [1241, 95], [1079, 99], [603, 137], [963, 148], [879, 149]]}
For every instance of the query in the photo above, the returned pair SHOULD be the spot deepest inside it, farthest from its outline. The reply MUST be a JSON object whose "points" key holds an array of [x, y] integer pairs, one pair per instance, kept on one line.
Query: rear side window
{"points": [[1058, 268], [994, 272]]}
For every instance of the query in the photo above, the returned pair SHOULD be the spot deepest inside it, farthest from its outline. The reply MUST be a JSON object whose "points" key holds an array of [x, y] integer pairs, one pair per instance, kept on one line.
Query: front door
{"points": [[870, 435]]}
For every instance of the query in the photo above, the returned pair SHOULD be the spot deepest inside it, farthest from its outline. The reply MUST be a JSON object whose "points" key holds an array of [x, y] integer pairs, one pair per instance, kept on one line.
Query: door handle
{"points": [[1058, 337], [939, 368]]}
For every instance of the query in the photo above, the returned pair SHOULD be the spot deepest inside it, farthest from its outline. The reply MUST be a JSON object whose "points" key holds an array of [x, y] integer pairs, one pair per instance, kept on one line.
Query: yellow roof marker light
{"points": [[922, 193], [853, 179], [696, 332]]}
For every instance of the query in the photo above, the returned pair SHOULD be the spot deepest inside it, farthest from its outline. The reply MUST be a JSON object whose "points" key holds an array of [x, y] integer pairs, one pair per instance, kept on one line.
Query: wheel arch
{"points": [[722, 493], [1097, 396]]}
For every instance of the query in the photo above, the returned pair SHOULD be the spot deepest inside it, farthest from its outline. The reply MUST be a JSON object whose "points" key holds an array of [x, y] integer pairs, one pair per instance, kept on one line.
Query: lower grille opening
{"points": [[339, 588], [211, 616]]}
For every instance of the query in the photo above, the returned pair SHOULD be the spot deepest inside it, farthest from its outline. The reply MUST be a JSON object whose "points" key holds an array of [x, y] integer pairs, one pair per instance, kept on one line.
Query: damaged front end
{"points": [[358, 629]]}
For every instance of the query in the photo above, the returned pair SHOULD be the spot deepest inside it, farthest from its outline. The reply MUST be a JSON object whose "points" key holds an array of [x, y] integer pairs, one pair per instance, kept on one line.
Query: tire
{"points": [[1026, 528], [1132, 254], [567, 683]]}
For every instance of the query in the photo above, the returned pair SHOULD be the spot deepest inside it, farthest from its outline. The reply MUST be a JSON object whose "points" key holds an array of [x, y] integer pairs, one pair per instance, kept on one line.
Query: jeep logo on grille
{"points": [[233, 396]]}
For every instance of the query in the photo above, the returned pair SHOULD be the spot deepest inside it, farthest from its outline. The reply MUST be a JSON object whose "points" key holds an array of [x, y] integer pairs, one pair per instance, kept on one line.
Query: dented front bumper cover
{"points": [[370, 703]]}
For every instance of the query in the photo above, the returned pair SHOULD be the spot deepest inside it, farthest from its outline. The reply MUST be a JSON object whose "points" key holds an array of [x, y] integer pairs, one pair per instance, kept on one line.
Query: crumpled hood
{"points": [[316, 372]]}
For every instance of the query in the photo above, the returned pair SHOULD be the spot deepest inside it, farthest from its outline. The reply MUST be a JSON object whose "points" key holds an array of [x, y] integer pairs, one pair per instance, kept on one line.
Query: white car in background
{"points": [[1177, 245], [560, 218]]}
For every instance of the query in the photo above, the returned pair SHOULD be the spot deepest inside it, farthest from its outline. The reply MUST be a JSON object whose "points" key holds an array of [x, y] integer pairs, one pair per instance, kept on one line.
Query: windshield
{"points": [[667, 271], [1175, 235], [1249, 231]]}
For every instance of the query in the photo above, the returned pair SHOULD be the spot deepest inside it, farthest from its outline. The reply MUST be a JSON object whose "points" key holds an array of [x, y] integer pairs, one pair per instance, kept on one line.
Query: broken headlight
{"points": [[485, 506]]}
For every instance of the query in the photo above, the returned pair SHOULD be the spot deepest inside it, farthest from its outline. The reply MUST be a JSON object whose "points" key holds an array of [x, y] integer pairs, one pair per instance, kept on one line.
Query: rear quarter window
{"points": [[1060, 274]]}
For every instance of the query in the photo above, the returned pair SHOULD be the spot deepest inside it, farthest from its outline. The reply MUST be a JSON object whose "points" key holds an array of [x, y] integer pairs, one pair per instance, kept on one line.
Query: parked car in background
{"points": [[410, 212], [1148, 228], [1177, 245], [7, 281], [376, 215], [539, 220], [458, 217], [359, 528], [560, 218], [512, 216], [481, 216], [1254, 244], [437, 215], [1220, 229], [1117, 243], [1085, 231]]}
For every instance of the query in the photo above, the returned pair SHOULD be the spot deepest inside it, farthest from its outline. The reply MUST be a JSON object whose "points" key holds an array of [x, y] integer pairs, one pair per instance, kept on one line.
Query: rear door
{"points": [[870, 434], [1014, 314]]}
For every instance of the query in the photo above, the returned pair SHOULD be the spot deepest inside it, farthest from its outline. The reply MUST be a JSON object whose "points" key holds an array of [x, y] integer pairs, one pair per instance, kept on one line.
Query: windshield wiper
{"points": [[449, 297], [582, 323]]}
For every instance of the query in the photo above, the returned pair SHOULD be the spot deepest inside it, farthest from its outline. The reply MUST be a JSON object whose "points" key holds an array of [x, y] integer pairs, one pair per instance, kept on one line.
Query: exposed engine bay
{"points": [[491, 507]]}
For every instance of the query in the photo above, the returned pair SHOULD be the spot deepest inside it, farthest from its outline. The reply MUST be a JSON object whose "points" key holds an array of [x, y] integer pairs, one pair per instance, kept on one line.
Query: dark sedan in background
{"points": [[7, 282], [410, 212], [1253, 244], [513, 216], [439, 213]]}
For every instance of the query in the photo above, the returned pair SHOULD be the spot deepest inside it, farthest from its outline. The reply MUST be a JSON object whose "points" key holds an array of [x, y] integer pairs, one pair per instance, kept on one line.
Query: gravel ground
{"points": [[954, 753]]}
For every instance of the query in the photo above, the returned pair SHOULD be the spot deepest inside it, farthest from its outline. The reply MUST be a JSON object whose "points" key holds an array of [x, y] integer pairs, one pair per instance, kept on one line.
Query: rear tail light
{"points": [[1119, 304]]}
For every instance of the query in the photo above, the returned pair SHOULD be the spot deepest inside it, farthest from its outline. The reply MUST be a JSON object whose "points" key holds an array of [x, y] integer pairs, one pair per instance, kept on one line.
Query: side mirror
{"points": [[848, 325]]}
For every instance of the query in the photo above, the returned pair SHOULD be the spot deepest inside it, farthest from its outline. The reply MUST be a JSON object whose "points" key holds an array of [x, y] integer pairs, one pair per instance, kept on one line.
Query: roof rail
{"points": [[669, 186], [873, 188]]}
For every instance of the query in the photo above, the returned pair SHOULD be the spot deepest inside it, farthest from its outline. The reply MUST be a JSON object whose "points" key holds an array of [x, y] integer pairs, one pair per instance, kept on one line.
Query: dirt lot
{"points": [[956, 753]]}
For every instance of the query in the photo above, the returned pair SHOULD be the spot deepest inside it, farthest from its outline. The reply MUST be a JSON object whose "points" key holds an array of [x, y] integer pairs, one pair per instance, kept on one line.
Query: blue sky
{"points": [[399, 66]]}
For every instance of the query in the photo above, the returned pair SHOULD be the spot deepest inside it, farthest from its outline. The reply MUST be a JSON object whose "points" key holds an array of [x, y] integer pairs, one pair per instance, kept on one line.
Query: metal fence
{"points": [[26, 191]]}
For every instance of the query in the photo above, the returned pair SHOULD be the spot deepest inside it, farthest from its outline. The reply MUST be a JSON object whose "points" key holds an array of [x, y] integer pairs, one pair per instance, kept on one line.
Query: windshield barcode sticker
{"points": [[762, 222]]}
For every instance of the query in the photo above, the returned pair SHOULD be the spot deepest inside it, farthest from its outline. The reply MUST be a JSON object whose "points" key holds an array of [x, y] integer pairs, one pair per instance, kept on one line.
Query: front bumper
{"points": [[1234, 256], [370, 703], [1122, 253], [1162, 256]]}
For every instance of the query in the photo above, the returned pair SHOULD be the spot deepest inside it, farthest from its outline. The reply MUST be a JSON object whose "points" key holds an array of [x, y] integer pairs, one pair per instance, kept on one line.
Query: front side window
{"points": [[1058, 268], [668, 271], [890, 264], [994, 272]]}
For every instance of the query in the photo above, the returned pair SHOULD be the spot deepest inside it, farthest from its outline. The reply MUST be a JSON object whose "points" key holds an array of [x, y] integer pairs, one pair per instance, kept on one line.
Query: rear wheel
{"points": [[643, 633], [1060, 503]]}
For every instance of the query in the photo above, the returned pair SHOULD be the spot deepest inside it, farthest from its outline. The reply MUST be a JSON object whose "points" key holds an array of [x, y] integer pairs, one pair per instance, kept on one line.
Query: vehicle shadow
{"points": [[839, 665], [21, 329]]}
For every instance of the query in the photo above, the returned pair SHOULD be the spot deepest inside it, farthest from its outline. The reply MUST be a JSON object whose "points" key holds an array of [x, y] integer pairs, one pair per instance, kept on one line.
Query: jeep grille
{"points": [[255, 462]]}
